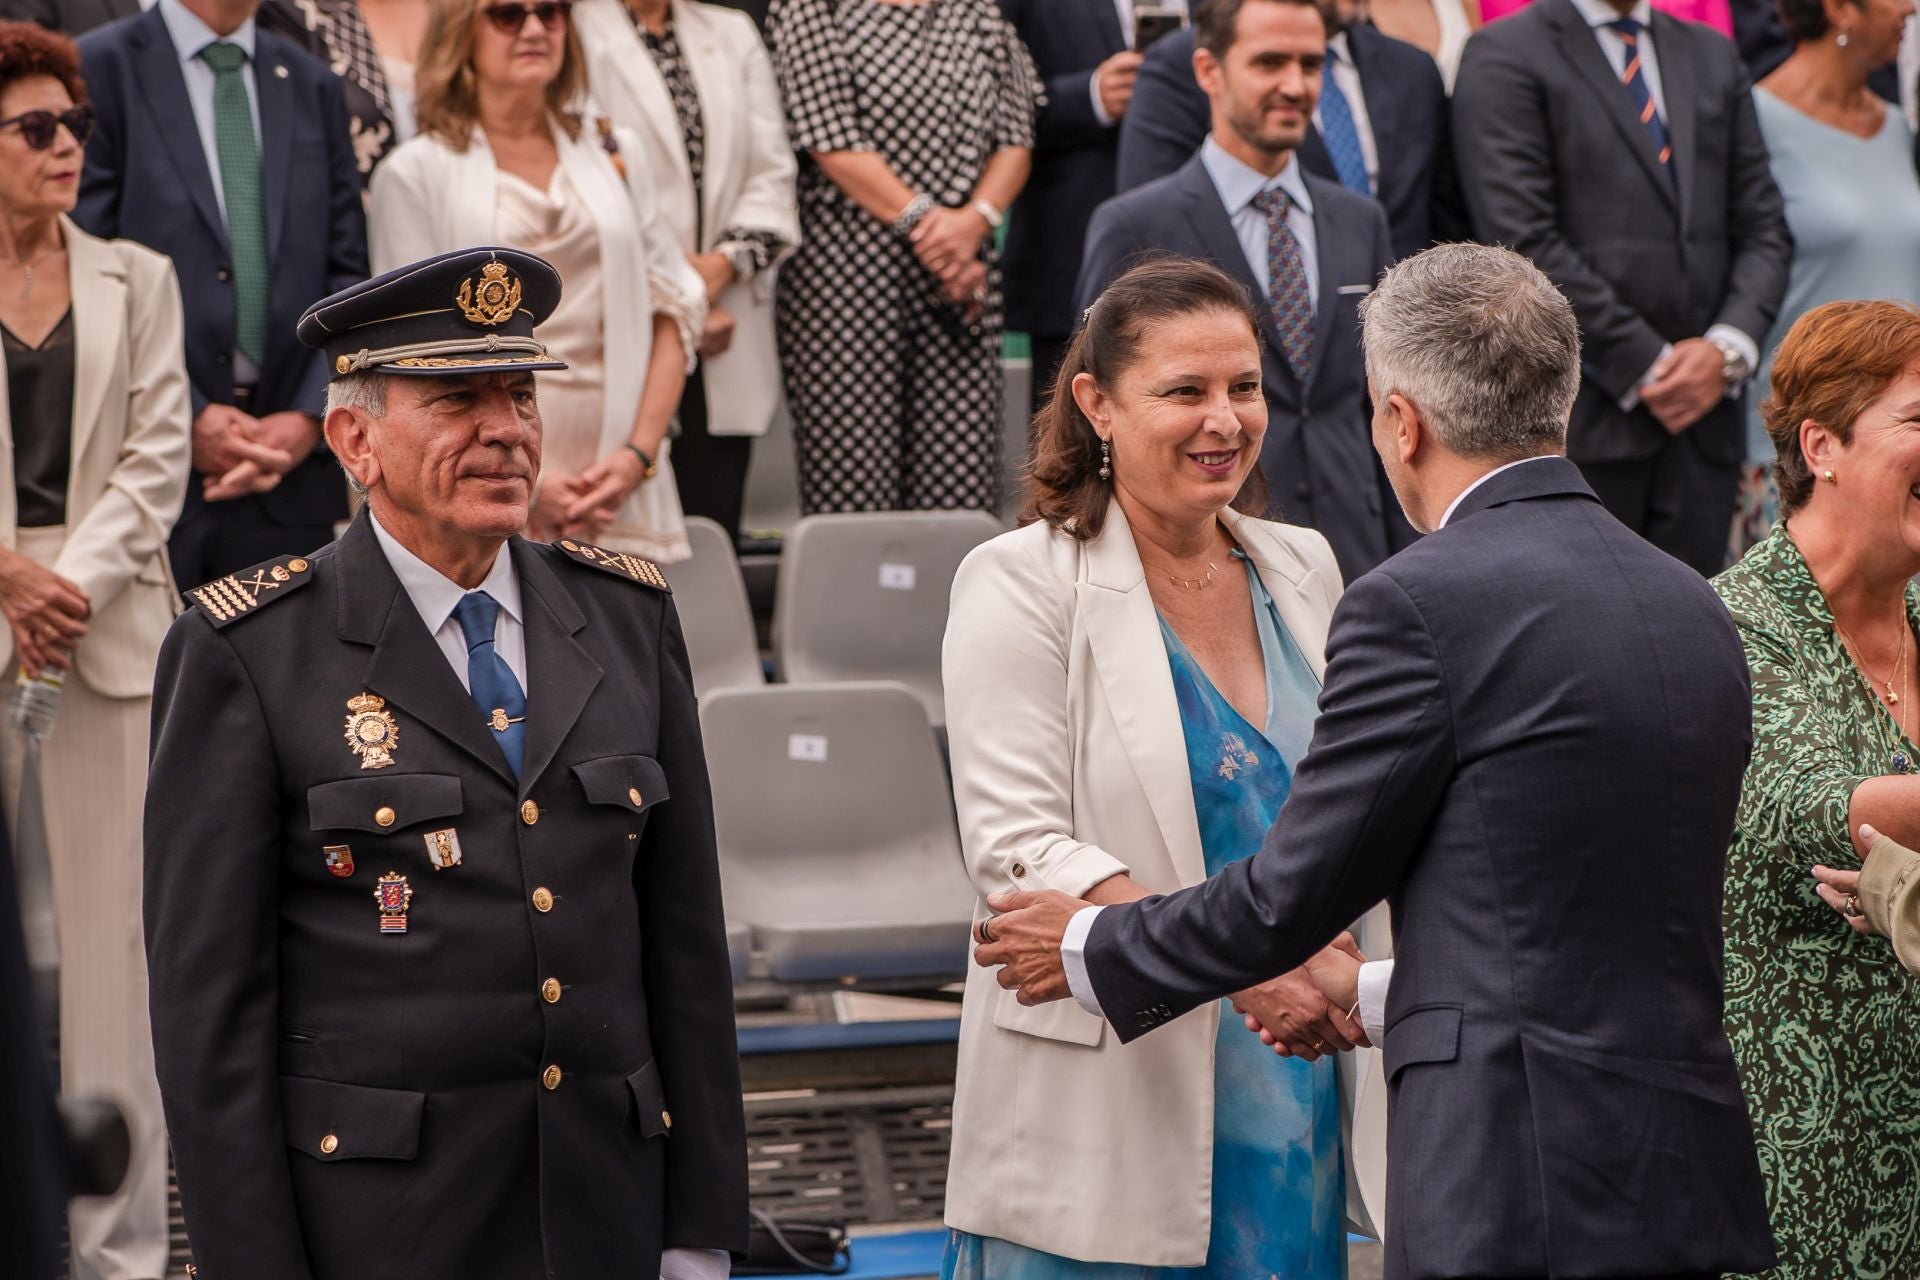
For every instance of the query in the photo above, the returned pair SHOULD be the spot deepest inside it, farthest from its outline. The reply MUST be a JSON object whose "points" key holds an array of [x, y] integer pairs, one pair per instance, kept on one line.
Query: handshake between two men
{"points": [[1307, 1013]]}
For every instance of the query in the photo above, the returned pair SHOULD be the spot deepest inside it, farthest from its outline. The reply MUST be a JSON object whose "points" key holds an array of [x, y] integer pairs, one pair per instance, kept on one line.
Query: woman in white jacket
{"points": [[693, 82], [503, 157]]}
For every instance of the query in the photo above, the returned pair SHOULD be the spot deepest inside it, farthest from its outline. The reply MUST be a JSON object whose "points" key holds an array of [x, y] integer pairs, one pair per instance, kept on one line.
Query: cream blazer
{"points": [[1069, 766], [747, 179], [428, 198], [132, 439]]}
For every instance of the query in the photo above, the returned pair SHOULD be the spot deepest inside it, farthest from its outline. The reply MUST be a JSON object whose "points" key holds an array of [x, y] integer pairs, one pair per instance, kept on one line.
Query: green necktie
{"points": [[239, 157]]}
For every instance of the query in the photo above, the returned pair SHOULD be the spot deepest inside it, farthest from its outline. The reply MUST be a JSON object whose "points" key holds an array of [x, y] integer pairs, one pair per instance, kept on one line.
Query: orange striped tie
{"points": [[1635, 78]]}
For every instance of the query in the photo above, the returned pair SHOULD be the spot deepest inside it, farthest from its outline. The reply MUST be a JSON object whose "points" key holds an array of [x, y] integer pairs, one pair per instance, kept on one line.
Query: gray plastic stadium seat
{"points": [[739, 950], [836, 831], [863, 596], [712, 600]]}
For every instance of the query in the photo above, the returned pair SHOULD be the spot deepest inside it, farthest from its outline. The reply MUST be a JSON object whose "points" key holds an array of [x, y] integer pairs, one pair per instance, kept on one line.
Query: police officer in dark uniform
{"points": [[439, 975]]}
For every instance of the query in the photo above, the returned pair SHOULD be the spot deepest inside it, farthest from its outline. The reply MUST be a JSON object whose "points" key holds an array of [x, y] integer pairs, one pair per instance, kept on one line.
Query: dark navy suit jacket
{"points": [[1073, 159], [1406, 103], [147, 179], [1318, 454], [1531, 742]]}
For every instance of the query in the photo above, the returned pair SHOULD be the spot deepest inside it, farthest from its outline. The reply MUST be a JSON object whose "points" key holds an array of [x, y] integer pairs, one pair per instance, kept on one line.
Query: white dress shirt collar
{"points": [[1238, 182], [1455, 504], [433, 593], [1598, 13], [190, 35]]}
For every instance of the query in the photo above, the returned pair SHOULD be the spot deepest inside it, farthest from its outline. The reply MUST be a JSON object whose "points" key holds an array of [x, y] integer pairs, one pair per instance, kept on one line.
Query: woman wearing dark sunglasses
{"points": [[96, 411], [504, 157]]}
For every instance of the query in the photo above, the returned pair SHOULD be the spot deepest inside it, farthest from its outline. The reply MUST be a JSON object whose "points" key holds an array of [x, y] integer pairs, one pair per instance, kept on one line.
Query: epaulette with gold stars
{"points": [[238, 594], [618, 563]]}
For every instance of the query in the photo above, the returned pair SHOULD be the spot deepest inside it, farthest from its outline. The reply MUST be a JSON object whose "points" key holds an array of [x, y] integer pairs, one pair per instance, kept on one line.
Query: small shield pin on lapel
{"points": [[339, 860], [443, 848]]}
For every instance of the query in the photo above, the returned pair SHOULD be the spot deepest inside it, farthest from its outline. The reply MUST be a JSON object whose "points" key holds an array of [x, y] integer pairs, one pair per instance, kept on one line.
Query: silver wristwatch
{"points": [[1734, 368]]}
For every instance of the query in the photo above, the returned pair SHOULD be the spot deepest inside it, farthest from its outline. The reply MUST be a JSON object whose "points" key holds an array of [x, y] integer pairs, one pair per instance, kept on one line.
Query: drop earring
{"points": [[1841, 40], [1106, 461]]}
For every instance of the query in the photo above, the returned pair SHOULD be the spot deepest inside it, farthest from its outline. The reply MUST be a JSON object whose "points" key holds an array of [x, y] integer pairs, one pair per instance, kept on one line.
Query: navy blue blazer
{"points": [[1531, 742], [146, 179], [1318, 454], [1406, 103], [1073, 159]]}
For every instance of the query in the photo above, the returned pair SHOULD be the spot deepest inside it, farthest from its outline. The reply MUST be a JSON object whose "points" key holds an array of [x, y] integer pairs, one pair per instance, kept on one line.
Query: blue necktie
{"points": [[1287, 289], [1635, 78], [502, 702], [1340, 134]]}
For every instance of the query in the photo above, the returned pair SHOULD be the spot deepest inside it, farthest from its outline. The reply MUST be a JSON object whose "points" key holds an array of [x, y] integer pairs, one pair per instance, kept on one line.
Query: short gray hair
{"points": [[1480, 341], [365, 391]]}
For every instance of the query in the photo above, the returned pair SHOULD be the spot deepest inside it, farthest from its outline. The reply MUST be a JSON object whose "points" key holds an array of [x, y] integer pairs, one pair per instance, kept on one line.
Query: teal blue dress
{"points": [[1279, 1181]]}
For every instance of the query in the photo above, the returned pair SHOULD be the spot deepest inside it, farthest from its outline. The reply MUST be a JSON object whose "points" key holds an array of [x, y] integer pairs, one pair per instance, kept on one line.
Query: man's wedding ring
{"points": [[1851, 907], [985, 931], [1319, 1045]]}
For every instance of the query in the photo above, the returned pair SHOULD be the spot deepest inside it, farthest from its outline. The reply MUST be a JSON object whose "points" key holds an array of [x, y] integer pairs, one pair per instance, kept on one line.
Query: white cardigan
{"points": [[428, 198], [747, 177], [1070, 766], [132, 424]]}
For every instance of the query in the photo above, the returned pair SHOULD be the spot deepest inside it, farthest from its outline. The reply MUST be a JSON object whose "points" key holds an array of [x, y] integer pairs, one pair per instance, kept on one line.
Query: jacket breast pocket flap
{"points": [[1062, 1020], [649, 1102], [401, 799], [635, 783], [1425, 1033], [331, 1121]]}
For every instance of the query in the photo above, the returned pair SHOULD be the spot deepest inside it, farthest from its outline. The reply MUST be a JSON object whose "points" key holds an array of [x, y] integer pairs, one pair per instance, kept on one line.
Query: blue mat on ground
{"points": [[917, 1253]]}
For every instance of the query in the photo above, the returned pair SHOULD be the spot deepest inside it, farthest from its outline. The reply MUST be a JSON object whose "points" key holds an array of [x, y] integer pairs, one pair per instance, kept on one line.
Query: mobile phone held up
{"points": [[1151, 21]]}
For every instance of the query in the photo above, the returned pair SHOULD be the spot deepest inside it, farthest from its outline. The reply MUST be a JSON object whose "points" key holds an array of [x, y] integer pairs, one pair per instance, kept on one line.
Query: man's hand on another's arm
{"points": [[1291, 1015], [1026, 930]]}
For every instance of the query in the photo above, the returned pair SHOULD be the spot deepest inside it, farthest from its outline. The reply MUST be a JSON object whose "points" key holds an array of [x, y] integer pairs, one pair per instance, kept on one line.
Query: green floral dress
{"points": [[1825, 1023]]}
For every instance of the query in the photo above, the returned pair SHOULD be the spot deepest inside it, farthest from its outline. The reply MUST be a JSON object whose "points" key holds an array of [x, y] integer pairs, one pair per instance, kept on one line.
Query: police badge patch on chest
{"points": [[371, 732]]}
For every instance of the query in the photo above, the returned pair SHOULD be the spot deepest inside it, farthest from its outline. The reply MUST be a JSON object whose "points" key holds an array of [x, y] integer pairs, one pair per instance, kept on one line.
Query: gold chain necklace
{"points": [[1191, 584], [1895, 700], [1860, 659]]}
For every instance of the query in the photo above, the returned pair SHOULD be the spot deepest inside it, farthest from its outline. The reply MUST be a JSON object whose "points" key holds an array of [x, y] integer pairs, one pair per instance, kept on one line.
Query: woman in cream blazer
{"points": [[125, 481], [735, 221], [430, 197], [1071, 766]]}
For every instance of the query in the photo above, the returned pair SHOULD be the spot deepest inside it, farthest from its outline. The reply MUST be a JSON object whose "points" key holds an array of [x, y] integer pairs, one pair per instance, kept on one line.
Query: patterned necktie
{"points": [[490, 680], [1287, 282], [239, 155], [1340, 133], [1635, 78]]}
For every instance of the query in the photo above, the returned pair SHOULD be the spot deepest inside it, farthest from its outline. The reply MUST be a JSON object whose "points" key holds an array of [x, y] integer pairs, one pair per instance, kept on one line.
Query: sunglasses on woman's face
{"points": [[511, 15], [39, 128]]}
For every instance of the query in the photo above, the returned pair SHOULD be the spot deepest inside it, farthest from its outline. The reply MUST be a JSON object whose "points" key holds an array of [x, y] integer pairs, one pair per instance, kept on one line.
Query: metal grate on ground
{"points": [[853, 1156]]}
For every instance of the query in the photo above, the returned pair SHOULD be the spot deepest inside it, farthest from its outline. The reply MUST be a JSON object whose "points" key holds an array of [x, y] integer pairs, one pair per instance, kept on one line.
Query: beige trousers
{"points": [[93, 773]]}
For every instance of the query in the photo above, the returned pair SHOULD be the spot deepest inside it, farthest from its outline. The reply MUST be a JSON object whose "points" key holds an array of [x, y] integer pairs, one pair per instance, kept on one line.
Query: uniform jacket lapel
{"points": [[165, 88], [1124, 633], [1579, 46], [406, 668], [561, 673]]}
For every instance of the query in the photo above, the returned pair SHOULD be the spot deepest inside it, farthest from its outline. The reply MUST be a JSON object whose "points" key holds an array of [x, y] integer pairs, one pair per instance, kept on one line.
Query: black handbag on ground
{"points": [[782, 1248]]}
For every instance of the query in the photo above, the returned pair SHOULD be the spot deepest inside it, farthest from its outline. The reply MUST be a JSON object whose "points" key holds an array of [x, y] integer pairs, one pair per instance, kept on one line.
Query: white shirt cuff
{"points": [[1099, 109], [1375, 977], [1739, 341], [1073, 958], [1631, 401], [695, 1264]]}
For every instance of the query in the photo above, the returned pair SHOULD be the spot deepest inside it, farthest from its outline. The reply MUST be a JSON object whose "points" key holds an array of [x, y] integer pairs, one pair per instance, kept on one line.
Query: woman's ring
{"points": [[985, 931], [1319, 1045], [1851, 907]]}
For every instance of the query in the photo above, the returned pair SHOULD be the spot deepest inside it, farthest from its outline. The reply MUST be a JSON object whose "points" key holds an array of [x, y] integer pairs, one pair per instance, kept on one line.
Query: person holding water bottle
{"points": [[96, 412]]}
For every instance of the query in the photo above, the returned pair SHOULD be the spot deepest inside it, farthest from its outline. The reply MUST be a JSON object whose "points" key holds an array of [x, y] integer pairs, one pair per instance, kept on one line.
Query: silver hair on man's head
{"points": [[365, 391], [1480, 341]]}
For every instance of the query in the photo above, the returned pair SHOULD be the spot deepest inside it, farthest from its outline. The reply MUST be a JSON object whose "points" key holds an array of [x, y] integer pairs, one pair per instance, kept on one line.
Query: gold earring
{"points": [[1106, 460], [1827, 475]]}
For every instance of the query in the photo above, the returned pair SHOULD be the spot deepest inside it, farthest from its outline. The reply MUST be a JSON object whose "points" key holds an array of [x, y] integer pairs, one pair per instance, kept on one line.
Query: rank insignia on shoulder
{"points": [[225, 599], [618, 563]]}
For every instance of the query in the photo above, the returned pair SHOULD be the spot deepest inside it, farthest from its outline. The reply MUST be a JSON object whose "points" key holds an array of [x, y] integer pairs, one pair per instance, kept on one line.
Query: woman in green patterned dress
{"points": [[1824, 1021]]}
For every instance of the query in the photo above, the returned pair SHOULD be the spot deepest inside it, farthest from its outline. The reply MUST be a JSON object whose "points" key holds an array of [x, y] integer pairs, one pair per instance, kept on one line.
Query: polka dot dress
{"points": [[895, 395]]}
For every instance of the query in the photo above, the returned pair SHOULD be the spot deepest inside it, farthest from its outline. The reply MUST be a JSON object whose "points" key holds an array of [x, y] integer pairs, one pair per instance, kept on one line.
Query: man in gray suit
{"points": [[1531, 742], [1618, 148], [1306, 249]]}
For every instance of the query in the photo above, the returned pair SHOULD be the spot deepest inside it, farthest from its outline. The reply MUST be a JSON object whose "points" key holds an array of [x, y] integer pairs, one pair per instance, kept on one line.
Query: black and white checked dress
{"points": [[895, 397]]}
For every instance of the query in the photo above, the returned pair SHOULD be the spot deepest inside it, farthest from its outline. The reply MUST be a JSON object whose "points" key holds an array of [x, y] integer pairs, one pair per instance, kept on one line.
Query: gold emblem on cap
{"points": [[493, 298], [371, 732]]}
